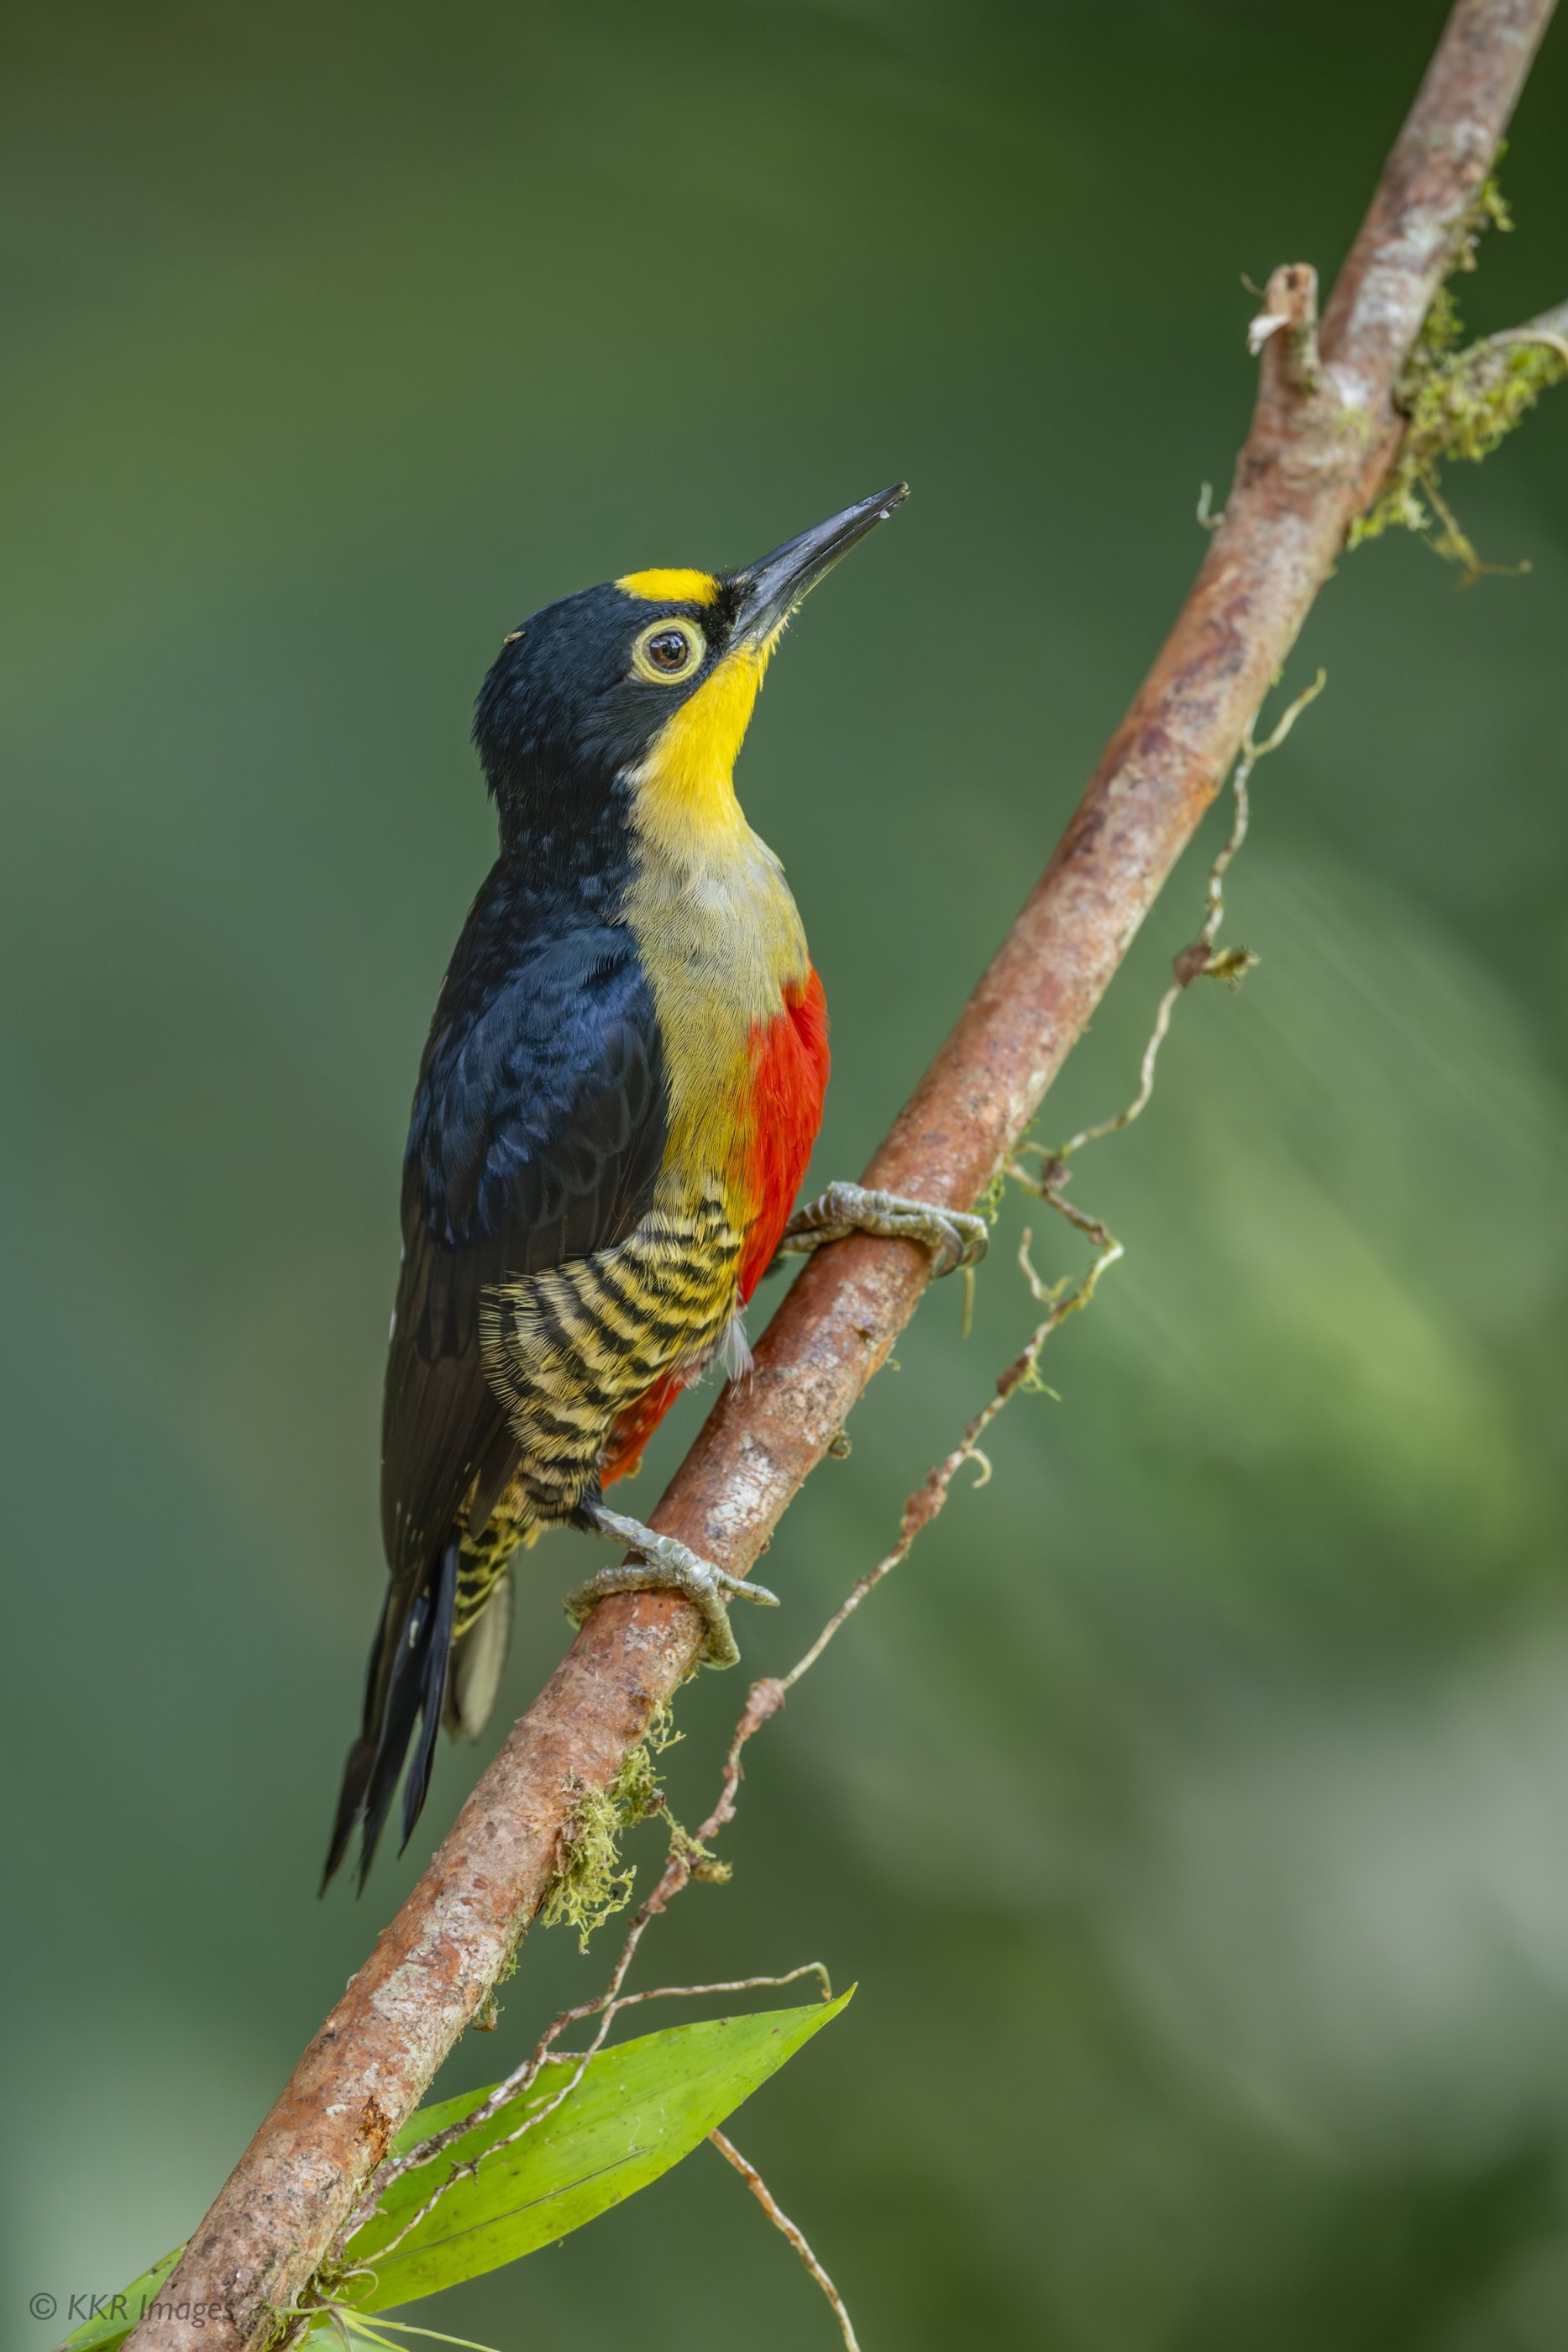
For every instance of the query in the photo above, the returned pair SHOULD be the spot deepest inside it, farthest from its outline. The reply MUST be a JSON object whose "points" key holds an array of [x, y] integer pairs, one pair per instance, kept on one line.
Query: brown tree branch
{"points": [[1323, 433]]}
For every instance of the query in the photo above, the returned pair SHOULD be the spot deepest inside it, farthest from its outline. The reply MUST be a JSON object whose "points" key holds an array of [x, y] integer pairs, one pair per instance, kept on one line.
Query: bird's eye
{"points": [[668, 652]]}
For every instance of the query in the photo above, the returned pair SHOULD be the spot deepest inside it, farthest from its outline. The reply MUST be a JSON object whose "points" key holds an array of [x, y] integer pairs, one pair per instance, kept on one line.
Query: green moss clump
{"points": [[593, 1884], [1462, 401]]}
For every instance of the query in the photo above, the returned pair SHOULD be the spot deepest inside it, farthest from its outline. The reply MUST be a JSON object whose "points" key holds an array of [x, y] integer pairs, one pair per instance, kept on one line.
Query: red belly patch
{"points": [[788, 1081], [778, 1118]]}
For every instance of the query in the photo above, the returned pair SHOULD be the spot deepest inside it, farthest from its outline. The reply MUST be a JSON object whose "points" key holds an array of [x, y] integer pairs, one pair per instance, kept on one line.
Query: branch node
{"points": [[1285, 330]]}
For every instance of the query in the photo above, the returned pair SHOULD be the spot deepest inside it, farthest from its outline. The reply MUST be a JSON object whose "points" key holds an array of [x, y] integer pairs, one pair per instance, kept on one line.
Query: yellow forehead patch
{"points": [[670, 587]]}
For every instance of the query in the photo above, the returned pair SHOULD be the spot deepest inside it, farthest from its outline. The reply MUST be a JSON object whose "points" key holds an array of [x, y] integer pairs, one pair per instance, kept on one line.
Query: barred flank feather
{"points": [[570, 1351]]}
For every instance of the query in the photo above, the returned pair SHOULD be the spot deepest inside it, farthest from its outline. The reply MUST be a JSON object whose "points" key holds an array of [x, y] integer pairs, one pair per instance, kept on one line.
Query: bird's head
{"points": [[628, 703]]}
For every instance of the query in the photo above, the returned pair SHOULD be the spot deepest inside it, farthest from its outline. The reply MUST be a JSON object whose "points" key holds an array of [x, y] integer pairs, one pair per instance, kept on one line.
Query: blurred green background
{"points": [[1193, 1809]]}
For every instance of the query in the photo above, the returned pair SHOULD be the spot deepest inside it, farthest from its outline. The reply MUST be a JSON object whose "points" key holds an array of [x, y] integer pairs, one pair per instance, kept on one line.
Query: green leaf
{"points": [[637, 2111], [121, 2312]]}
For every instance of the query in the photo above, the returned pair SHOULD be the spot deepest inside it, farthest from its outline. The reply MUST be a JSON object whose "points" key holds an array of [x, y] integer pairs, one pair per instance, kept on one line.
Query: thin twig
{"points": [[1548, 336], [608, 2007], [1199, 960], [792, 2230]]}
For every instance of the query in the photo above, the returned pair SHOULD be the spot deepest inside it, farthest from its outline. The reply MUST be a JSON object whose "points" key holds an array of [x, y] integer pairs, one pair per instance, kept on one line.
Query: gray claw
{"points": [[669, 1566], [955, 1237]]}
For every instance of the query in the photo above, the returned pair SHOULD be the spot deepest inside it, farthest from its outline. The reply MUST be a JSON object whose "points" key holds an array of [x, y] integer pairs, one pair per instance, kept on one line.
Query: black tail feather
{"points": [[362, 1754], [404, 1686], [432, 1692]]}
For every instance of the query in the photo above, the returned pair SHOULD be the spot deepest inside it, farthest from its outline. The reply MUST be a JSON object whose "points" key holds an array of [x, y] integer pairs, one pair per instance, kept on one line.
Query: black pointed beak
{"points": [[769, 591]]}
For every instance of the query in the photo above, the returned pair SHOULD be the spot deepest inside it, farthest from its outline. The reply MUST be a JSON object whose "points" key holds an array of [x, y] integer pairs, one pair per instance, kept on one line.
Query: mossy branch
{"points": [[1461, 401], [592, 1884]]}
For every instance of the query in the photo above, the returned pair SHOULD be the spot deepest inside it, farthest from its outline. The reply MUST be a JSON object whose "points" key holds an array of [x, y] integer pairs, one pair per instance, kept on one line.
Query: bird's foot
{"points": [[956, 1237], [667, 1565]]}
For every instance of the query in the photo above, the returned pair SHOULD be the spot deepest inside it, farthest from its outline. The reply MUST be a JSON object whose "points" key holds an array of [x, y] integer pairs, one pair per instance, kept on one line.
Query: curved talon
{"points": [[956, 1237], [668, 1565]]}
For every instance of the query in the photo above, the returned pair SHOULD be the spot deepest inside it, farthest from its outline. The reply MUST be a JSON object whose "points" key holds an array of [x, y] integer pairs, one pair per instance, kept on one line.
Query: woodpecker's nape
{"points": [[619, 1093]]}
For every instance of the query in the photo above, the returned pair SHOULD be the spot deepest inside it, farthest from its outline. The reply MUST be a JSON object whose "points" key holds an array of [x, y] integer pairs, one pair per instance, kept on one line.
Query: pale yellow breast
{"points": [[720, 940]]}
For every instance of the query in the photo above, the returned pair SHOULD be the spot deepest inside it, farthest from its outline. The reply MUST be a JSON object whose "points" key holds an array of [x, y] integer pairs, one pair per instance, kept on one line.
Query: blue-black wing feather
{"points": [[538, 1127]]}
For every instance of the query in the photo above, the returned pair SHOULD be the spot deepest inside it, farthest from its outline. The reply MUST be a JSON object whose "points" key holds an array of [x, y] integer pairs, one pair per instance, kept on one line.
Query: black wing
{"points": [[538, 1127]]}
